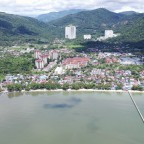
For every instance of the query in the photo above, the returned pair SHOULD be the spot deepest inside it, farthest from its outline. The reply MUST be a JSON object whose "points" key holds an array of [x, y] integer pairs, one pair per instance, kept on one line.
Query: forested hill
{"points": [[93, 22], [14, 27], [131, 28], [90, 18], [96, 21]]}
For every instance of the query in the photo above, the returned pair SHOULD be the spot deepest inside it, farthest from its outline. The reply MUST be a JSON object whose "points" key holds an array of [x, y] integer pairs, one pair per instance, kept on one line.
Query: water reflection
{"points": [[74, 100], [15, 94], [57, 106], [92, 126], [20, 94], [70, 103]]}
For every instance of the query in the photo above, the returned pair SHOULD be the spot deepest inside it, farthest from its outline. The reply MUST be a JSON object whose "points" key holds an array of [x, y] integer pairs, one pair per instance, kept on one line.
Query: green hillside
{"points": [[14, 28], [95, 22], [131, 28], [92, 22]]}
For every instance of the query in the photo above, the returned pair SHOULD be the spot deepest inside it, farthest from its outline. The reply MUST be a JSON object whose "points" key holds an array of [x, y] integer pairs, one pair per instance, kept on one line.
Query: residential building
{"points": [[39, 64], [70, 32], [37, 54], [59, 71], [108, 34], [96, 72], [87, 37], [44, 58], [76, 62], [55, 55]]}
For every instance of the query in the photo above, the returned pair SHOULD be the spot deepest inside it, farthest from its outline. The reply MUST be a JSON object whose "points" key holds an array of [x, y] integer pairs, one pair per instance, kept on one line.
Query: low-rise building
{"points": [[108, 34], [59, 71], [87, 37], [96, 72], [76, 62]]}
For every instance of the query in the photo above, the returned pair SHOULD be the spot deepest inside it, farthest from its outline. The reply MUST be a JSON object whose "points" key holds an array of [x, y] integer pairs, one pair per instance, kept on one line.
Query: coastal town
{"points": [[69, 69], [71, 72], [102, 69]]}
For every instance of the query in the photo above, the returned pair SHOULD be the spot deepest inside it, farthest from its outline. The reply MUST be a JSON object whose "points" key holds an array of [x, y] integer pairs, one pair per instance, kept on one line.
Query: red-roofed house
{"points": [[108, 60], [76, 62]]}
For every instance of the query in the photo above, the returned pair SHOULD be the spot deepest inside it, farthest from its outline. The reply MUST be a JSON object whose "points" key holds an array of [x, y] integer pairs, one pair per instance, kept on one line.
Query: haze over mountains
{"points": [[129, 12], [56, 15], [129, 24]]}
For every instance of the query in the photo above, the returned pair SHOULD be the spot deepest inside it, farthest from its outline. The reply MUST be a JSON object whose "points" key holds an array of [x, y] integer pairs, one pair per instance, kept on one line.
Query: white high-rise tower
{"points": [[70, 32]]}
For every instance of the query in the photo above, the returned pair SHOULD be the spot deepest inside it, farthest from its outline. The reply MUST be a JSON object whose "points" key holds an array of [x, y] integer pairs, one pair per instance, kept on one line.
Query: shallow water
{"points": [[70, 118]]}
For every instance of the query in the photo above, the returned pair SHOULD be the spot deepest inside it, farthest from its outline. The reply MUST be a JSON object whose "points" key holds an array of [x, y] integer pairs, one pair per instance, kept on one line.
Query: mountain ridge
{"points": [[15, 28], [56, 15], [129, 12], [95, 22]]}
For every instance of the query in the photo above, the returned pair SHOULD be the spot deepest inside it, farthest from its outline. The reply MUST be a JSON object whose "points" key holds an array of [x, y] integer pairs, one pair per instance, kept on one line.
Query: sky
{"points": [[37, 7]]}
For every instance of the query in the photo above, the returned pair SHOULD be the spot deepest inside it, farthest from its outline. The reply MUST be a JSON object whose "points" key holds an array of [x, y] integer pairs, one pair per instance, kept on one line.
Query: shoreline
{"points": [[80, 90]]}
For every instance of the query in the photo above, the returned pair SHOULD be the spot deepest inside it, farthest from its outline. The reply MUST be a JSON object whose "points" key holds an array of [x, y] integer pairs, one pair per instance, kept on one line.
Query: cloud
{"points": [[36, 7]]}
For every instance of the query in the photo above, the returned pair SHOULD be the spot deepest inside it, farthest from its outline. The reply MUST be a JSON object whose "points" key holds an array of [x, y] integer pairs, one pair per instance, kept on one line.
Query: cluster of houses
{"points": [[124, 58], [71, 63], [42, 59], [99, 76], [109, 60], [16, 50], [70, 69], [112, 54], [24, 79], [75, 64]]}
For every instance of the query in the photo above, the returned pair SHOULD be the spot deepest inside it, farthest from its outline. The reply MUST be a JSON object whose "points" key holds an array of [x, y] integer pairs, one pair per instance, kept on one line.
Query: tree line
{"points": [[55, 85], [66, 86]]}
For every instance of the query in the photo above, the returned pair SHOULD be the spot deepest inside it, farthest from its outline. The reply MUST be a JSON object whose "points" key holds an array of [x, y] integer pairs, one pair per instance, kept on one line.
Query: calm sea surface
{"points": [[70, 118]]}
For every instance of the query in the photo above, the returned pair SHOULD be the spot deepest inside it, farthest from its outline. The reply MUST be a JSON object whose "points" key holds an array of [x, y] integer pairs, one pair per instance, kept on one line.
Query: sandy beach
{"points": [[83, 90], [80, 90]]}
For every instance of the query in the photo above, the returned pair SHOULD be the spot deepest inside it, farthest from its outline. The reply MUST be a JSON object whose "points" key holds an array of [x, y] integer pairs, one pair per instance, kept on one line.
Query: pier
{"points": [[139, 112]]}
